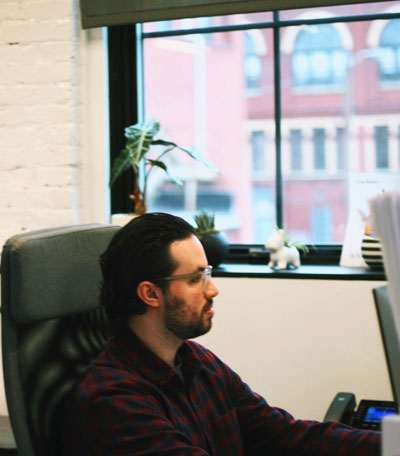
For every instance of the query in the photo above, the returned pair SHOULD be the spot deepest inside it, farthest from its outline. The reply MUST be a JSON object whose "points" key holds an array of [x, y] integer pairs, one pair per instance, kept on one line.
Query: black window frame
{"points": [[125, 64]]}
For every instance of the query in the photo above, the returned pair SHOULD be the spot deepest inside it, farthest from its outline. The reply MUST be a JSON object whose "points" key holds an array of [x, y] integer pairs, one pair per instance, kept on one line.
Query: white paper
{"points": [[361, 188]]}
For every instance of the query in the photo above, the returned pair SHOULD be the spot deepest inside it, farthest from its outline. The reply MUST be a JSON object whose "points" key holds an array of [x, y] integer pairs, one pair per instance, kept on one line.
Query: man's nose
{"points": [[211, 290]]}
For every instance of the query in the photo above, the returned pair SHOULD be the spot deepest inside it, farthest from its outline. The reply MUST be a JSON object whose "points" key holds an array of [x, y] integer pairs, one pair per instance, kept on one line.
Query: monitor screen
{"points": [[375, 414], [390, 339]]}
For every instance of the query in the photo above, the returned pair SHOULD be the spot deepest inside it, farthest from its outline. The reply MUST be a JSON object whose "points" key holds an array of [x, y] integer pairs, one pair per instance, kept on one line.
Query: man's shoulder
{"points": [[104, 373]]}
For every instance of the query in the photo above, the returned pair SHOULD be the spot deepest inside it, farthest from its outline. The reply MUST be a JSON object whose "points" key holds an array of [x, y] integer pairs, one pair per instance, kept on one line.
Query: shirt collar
{"points": [[135, 352]]}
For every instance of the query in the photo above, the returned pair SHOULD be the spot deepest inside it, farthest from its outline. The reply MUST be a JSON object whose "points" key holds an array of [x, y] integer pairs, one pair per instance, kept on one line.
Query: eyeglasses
{"points": [[203, 275]]}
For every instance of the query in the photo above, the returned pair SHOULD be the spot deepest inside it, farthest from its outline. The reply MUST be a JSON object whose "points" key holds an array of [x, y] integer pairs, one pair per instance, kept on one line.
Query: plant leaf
{"points": [[163, 142], [205, 221], [121, 163], [191, 152], [157, 163], [199, 157], [163, 166], [140, 137]]}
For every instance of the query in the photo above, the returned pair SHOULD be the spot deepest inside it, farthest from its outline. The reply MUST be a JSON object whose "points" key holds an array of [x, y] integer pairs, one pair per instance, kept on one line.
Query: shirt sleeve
{"points": [[272, 431], [127, 423]]}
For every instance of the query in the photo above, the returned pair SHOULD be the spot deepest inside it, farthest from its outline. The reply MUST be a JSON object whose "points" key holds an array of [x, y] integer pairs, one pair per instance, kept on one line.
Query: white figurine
{"points": [[281, 255]]}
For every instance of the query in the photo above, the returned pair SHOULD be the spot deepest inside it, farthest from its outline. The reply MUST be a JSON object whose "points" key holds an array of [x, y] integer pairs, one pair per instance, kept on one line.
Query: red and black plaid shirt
{"points": [[130, 402]]}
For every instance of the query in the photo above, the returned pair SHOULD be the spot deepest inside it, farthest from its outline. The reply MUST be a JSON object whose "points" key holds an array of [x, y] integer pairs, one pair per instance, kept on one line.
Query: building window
{"points": [[319, 148], [340, 138], [252, 63], [398, 145], [382, 147], [322, 224], [318, 57], [389, 52], [258, 151], [295, 149]]}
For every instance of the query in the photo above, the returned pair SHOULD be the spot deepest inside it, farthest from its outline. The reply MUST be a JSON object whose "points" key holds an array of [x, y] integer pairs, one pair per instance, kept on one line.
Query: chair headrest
{"points": [[53, 272]]}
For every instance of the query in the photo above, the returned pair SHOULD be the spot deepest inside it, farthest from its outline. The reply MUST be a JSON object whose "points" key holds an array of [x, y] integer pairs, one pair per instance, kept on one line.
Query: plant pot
{"points": [[371, 251], [216, 247]]}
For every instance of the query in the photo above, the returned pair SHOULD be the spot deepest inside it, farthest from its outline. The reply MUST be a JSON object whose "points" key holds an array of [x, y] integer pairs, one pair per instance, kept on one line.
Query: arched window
{"points": [[389, 52], [252, 63], [318, 57]]}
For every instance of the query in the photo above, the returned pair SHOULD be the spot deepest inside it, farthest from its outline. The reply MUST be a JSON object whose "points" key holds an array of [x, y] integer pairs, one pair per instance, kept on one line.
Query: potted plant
{"points": [[139, 139], [214, 242]]}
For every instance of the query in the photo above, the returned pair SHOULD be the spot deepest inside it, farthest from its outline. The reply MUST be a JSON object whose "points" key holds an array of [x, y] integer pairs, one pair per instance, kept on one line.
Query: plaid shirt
{"points": [[130, 402]]}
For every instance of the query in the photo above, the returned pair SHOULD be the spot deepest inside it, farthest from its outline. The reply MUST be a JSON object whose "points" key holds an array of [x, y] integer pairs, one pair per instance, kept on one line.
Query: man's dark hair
{"points": [[138, 251]]}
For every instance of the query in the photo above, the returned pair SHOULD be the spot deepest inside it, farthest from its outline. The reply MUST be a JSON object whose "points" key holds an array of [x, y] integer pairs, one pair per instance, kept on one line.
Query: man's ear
{"points": [[149, 293]]}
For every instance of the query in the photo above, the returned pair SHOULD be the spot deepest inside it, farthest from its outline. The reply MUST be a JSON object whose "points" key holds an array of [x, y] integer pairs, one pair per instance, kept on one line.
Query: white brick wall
{"points": [[53, 161], [38, 108]]}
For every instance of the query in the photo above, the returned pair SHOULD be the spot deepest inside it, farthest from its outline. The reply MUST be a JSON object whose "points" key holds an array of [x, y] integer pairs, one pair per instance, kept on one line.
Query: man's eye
{"points": [[196, 279]]}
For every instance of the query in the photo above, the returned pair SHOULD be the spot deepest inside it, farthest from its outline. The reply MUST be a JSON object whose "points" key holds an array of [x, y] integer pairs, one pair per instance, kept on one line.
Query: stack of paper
{"points": [[385, 211]]}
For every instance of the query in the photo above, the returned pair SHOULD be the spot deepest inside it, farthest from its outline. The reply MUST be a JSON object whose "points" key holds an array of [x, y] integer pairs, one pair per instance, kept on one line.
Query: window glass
{"points": [[340, 138], [188, 23], [341, 10], [319, 148], [295, 149], [382, 147], [252, 63], [318, 56], [336, 117], [353, 128], [195, 88], [389, 52], [258, 149]]}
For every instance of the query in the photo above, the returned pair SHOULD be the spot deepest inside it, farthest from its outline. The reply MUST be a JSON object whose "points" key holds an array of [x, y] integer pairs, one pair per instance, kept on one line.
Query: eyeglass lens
{"points": [[206, 276]]}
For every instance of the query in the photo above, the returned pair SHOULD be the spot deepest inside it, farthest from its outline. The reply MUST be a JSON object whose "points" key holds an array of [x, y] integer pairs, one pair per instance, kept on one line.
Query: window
{"points": [[197, 85], [252, 63], [318, 57], [258, 149], [340, 135], [322, 224], [319, 148], [295, 149], [389, 52], [382, 147]]}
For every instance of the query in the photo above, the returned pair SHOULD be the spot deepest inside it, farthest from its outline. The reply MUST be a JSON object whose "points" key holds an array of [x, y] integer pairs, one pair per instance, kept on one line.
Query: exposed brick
{"points": [[37, 107]]}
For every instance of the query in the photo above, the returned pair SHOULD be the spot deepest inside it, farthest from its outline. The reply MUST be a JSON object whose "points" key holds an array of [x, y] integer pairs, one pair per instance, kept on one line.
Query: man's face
{"points": [[188, 309]]}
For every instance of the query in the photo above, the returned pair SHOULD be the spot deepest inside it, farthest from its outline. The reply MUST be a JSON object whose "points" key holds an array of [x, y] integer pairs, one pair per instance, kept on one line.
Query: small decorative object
{"points": [[283, 253], [140, 137], [371, 250], [214, 242]]}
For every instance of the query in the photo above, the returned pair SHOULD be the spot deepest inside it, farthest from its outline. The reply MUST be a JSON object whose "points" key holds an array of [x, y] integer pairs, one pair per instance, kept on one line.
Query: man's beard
{"points": [[184, 323]]}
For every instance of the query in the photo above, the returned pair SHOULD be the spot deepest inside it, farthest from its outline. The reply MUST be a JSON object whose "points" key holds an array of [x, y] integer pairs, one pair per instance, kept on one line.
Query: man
{"points": [[152, 391]]}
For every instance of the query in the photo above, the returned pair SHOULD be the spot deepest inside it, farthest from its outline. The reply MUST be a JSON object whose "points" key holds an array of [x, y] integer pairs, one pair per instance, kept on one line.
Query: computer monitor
{"points": [[389, 338]]}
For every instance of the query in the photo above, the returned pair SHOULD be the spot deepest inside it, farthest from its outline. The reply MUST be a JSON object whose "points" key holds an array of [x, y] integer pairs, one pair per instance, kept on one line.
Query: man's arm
{"points": [[126, 423], [272, 431]]}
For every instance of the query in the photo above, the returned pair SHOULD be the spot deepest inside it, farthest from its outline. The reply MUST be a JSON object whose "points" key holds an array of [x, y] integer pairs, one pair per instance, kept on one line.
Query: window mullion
{"points": [[278, 121]]}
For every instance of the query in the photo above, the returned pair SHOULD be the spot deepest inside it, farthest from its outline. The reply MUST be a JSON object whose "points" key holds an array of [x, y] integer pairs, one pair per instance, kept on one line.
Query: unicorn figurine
{"points": [[281, 256]]}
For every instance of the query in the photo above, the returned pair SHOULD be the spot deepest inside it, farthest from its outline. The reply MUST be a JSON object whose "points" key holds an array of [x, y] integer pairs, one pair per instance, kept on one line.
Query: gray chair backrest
{"points": [[52, 325]]}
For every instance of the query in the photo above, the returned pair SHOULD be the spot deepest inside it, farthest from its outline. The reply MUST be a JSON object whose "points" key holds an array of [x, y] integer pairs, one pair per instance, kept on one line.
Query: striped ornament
{"points": [[371, 251]]}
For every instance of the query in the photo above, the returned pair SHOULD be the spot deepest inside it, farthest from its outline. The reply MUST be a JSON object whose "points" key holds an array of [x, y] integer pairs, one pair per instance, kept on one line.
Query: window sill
{"points": [[303, 272]]}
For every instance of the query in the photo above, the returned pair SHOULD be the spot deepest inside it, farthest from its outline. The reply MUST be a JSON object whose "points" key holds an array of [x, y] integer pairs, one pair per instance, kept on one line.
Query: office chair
{"points": [[52, 325], [7, 441]]}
